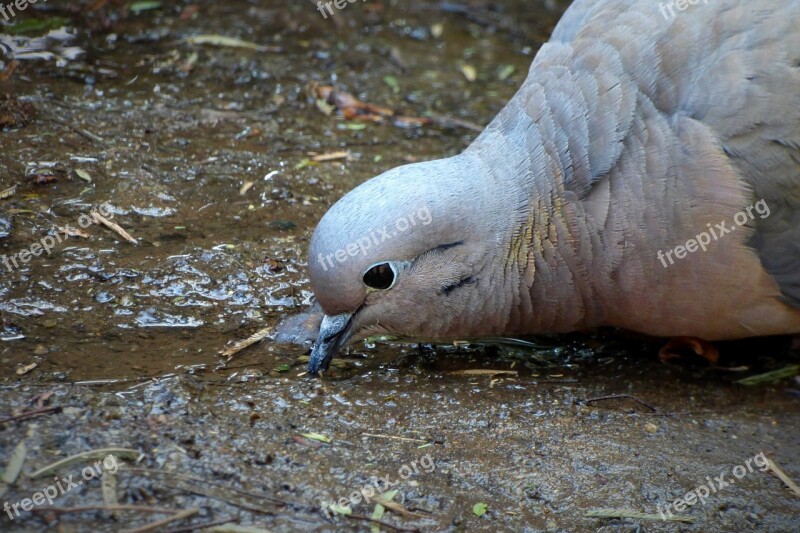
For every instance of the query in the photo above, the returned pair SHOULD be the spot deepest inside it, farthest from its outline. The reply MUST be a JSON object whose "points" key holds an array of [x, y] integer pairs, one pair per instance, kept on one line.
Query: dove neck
{"points": [[543, 244]]}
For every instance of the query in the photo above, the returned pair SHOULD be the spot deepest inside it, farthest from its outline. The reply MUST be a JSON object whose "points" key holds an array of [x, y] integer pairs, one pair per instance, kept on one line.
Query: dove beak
{"points": [[334, 333]]}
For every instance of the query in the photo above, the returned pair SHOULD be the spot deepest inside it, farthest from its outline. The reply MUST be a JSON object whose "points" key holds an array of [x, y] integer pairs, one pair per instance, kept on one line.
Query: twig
{"points": [[100, 453], [377, 436], [164, 521], [379, 522], [195, 480], [80, 131], [622, 513], [259, 335], [780, 474], [448, 122], [201, 527], [619, 397], [115, 507], [483, 372], [31, 414], [100, 219]]}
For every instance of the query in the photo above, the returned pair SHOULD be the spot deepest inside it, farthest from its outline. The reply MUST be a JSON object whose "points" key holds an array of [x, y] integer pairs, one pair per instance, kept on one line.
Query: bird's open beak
{"points": [[333, 334]]}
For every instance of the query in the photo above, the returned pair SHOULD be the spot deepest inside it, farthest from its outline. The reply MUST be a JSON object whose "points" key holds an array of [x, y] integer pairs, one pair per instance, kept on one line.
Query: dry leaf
{"points": [[22, 370], [82, 174], [469, 72]]}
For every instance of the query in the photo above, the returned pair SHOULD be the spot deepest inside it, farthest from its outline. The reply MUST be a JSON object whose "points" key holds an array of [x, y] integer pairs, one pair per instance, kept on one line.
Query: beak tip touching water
{"points": [[333, 334]]}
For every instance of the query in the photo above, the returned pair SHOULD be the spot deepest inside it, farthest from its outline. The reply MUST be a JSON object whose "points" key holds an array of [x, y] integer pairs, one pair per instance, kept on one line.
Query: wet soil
{"points": [[204, 154]]}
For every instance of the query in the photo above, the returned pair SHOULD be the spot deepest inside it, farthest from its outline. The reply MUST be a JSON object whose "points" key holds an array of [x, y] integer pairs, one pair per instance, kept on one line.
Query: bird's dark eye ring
{"points": [[380, 276]]}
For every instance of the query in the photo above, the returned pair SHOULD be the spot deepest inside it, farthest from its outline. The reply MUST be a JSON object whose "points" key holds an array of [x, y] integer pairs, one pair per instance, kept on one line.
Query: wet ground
{"points": [[205, 154]]}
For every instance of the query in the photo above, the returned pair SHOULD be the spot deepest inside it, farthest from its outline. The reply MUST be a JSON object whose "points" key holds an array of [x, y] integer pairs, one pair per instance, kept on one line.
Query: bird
{"points": [[645, 176]]}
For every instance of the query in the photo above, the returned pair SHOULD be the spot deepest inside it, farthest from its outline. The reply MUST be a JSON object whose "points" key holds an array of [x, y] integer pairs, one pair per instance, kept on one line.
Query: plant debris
{"points": [[14, 113], [622, 513], [770, 377]]}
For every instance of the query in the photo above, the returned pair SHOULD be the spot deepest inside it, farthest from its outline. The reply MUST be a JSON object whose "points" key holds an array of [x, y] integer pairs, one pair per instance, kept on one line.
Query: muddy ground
{"points": [[204, 154]]}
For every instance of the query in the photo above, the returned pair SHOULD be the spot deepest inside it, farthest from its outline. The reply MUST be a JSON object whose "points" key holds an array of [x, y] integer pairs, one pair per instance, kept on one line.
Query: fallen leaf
{"points": [[82, 174], [387, 500], [377, 514], [43, 178], [391, 81], [8, 193], [138, 7], [304, 163], [699, 346], [479, 509], [340, 509], [350, 106], [771, 377], [22, 370], [14, 467], [505, 72], [469, 72], [317, 436]]}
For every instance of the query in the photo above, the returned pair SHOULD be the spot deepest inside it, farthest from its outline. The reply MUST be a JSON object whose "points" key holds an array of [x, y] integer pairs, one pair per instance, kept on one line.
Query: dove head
{"points": [[401, 255]]}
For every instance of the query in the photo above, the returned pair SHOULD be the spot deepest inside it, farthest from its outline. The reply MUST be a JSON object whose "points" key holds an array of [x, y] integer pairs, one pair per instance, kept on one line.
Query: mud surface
{"points": [[204, 154]]}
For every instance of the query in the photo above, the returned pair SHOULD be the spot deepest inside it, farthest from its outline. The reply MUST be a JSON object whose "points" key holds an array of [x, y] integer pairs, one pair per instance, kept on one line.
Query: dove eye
{"points": [[381, 276]]}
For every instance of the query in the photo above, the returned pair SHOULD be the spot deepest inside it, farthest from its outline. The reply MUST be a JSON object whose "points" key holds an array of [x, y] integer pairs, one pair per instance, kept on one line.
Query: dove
{"points": [[646, 176]]}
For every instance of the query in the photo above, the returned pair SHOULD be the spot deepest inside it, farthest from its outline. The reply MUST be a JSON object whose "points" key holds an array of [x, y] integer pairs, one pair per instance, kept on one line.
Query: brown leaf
{"points": [[43, 178], [13, 113], [348, 105], [676, 345], [22, 370]]}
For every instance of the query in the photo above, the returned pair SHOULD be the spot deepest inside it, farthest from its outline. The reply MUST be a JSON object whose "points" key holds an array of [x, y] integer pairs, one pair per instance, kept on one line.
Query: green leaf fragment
{"points": [[479, 509], [505, 72], [138, 7], [377, 514], [340, 509], [392, 82], [317, 437], [35, 25], [771, 377]]}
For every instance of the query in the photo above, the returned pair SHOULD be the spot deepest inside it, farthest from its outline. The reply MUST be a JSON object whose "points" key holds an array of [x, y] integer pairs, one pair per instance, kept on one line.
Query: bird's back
{"points": [[733, 66], [640, 126]]}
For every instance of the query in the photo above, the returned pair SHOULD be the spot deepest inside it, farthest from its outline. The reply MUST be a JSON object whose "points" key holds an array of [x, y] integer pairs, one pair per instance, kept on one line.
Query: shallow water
{"points": [[126, 337]]}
